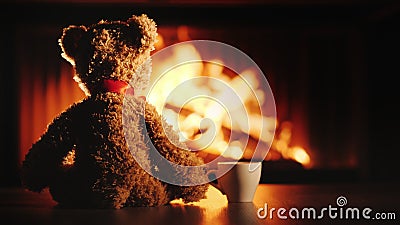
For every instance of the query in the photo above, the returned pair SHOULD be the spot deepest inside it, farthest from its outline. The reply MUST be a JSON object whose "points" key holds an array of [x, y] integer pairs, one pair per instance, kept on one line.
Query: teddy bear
{"points": [[85, 157]]}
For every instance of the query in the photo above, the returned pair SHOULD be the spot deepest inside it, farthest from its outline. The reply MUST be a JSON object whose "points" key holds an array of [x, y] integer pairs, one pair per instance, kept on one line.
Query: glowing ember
{"points": [[69, 160], [300, 155], [282, 145]]}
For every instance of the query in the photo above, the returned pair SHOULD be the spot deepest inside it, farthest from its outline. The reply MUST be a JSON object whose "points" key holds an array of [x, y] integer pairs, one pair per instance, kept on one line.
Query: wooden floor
{"points": [[18, 206]]}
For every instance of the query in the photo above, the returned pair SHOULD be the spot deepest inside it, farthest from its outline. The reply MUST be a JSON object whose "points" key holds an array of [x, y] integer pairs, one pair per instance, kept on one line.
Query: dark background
{"points": [[344, 54]]}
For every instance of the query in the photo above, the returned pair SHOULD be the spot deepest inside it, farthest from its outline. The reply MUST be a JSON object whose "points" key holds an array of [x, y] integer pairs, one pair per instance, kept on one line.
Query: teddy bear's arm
{"points": [[166, 141], [43, 160]]}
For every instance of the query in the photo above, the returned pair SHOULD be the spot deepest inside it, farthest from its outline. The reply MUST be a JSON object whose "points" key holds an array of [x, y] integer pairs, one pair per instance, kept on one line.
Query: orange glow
{"points": [[69, 160], [183, 33], [214, 200], [41, 100], [282, 145], [160, 42], [211, 207], [201, 121], [300, 155], [190, 121]]}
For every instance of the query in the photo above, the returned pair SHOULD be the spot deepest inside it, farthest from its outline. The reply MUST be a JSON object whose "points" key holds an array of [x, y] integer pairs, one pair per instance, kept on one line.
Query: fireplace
{"points": [[316, 69]]}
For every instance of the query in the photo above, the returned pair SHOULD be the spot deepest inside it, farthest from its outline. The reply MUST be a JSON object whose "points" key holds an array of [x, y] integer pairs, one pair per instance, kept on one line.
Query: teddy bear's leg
{"points": [[42, 163], [70, 189], [100, 181], [166, 141], [147, 191], [113, 182], [104, 184]]}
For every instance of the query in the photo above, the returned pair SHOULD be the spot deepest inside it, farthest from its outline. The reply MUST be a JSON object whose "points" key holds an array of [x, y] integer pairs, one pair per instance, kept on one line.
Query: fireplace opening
{"points": [[316, 69], [290, 149]]}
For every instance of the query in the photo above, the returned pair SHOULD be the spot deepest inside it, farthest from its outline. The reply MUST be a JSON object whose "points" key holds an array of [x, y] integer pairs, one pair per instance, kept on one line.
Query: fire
{"points": [[300, 155], [282, 145], [44, 99], [209, 121], [222, 103]]}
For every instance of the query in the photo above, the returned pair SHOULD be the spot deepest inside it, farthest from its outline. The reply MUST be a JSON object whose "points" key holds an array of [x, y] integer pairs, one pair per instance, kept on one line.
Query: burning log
{"points": [[217, 111]]}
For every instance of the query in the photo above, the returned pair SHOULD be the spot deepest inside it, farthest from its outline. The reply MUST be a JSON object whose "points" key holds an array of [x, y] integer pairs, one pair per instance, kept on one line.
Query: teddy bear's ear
{"points": [[148, 29], [70, 41]]}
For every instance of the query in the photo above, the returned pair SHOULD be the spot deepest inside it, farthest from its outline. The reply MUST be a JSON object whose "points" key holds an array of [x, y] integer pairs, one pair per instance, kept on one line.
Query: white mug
{"points": [[238, 180]]}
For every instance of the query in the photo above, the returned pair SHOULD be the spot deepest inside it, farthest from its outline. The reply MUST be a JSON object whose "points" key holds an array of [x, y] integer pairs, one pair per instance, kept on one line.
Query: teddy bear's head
{"points": [[116, 51]]}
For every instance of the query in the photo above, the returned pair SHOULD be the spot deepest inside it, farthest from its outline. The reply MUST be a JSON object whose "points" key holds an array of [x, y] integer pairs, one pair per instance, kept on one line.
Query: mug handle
{"points": [[215, 182]]}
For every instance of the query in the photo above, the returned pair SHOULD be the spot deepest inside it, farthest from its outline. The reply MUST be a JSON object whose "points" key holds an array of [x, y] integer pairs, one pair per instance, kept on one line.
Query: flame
{"points": [[300, 155], [201, 122], [206, 124], [282, 145]]}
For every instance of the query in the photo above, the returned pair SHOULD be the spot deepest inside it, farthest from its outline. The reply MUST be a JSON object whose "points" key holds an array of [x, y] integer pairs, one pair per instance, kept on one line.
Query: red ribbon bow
{"points": [[119, 86]]}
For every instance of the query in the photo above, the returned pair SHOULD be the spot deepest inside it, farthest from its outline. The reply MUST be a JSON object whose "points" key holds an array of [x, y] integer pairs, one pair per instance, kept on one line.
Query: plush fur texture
{"points": [[83, 156]]}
